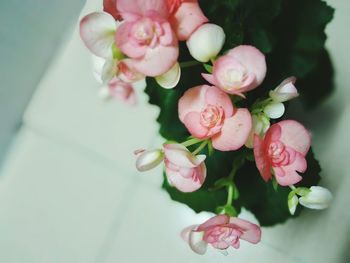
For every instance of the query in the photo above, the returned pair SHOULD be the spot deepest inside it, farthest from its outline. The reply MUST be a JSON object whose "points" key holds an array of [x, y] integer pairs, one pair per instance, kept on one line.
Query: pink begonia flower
{"points": [[282, 150], [184, 171], [221, 232], [146, 35], [207, 112], [242, 69], [122, 91], [187, 18], [285, 91], [110, 7], [97, 30]]}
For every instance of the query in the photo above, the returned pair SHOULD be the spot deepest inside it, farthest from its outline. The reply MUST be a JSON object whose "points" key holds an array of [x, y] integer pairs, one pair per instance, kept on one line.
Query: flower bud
{"points": [[274, 110], [317, 198], [206, 42], [260, 125], [285, 91], [170, 78], [292, 204], [148, 160]]}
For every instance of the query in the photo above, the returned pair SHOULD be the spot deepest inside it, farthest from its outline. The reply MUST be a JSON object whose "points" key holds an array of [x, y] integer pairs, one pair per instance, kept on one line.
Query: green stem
{"points": [[201, 147], [191, 142], [230, 194], [292, 187], [191, 63]]}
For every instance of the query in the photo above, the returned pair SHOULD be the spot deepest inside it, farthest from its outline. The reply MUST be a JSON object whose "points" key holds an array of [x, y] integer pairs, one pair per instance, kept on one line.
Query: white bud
{"points": [[292, 204], [148, 160], [318, 198], [206, 42], [285, 91], [274, 110], [170, 78]]}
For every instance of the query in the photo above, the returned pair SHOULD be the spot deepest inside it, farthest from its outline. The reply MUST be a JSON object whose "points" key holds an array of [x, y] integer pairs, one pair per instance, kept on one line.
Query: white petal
{"points": [[149, 160], [171, 78], [318, 198], [292, 204], [109, 70], [197, 243], [206, 42], [98, 63], [97, 30], [274, 110]]}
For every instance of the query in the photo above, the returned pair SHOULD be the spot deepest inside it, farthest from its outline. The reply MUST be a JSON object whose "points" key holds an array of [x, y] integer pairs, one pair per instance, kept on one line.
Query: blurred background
{"points": [[69, 191]]}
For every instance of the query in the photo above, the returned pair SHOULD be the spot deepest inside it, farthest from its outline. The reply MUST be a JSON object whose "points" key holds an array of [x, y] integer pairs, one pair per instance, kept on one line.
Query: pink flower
{"points": [[146, 35], [207, 112], [283, 151], [187, 18], [122, 91], [221, 232], [241, 69], [184, 171]]}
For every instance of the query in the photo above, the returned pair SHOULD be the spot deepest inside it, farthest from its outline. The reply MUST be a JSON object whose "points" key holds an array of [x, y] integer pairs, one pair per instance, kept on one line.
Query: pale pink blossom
{"points": [[282, 150], [187, 17], [122, 91], [285, 91], [221, 232], [184, 170], [146, 35], [207, 112], [97, 30], [242, 69]]}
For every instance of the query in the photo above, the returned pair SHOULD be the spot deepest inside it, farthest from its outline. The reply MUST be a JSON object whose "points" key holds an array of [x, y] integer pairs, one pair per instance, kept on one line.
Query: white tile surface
{"points": [[56, 204]]}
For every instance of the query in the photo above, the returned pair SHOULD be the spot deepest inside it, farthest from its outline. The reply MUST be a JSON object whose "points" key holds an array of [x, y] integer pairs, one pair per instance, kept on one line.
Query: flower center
{"points": [[212, 116], [280, 155], [223, 236], [233, 78], [143, 31]]}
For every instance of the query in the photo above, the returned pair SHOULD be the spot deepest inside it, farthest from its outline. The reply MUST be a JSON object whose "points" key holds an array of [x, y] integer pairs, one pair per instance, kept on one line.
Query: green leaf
{"points": [[208, 68]]}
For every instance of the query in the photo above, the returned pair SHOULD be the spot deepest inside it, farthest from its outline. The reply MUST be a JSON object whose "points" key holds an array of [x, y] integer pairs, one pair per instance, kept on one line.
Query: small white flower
{"points": [[170, 78], [285, 91], [318, 198], [206, 42], [147, 160]]}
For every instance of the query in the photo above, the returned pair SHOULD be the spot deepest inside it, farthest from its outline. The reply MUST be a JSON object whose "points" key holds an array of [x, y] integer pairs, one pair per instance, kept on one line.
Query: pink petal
{"points": [[234, 132], [126, 45], [273, 134], [110, 7], [210, 78], [261, 159], [216, 97], [193, 100], [295, 136], [179, 155], [186, 184], [187, 19], [251, 232], [193, 124], [130, 8], [252, 59], [97, 30], [214, 221], [157, 60], [287, 175]]}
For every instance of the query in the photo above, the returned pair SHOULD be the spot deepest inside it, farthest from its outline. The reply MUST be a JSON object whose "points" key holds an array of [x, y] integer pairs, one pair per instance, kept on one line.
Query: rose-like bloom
{"points": [[97, 30], [187, 17], [242, 69], [146, 35], [283, 150], [122, 91], [318, 198], [221, 232], [147, 160], [184, 171], [206, 42], [207, 112], [285, 91]]}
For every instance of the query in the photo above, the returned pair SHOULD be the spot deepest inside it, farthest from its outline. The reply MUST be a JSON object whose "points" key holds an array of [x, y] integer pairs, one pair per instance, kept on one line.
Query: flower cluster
{"points": [[134, 39]]}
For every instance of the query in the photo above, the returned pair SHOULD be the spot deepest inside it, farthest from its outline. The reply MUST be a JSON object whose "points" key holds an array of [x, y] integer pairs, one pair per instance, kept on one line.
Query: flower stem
{"points": [[229, 194], [191, 142], [191, 63], [200, 147], [292, 187]]}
